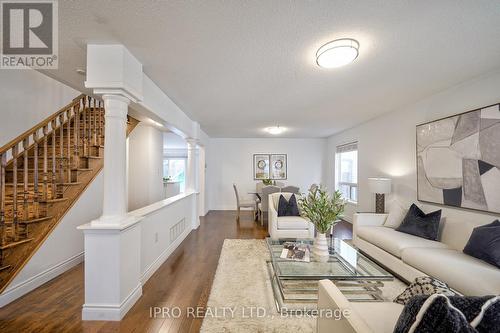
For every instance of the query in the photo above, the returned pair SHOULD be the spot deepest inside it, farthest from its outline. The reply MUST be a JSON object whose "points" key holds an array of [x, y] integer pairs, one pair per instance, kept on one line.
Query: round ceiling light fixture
{"points": [[337, 53], [275, 130]]}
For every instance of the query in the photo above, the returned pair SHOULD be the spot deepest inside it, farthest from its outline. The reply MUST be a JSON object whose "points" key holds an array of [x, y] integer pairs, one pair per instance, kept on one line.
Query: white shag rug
{"points": [[241, 299]]}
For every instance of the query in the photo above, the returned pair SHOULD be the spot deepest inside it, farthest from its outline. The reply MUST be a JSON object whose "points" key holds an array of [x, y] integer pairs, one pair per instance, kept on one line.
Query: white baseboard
{"points": [[14, 292], [149, 271], [113, 312]]}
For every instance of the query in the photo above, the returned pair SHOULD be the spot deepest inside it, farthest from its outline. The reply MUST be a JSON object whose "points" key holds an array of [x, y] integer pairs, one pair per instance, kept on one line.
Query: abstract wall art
{"points": [[458, 160]]}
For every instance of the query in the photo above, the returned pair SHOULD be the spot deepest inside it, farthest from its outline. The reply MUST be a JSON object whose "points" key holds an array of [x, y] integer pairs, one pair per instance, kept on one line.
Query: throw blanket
{"points": [[441, 313]]}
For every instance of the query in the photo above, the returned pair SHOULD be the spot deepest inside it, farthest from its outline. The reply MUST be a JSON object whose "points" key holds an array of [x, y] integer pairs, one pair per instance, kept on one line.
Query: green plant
{"points": [[267, 182], [321, 208]]}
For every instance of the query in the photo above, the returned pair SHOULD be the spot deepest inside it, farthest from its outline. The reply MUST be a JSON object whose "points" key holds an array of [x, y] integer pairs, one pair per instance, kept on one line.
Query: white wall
{"points": [[162, 230], [28, 97], [145, 168], [387, 144], [231, 161], [63, 248]]}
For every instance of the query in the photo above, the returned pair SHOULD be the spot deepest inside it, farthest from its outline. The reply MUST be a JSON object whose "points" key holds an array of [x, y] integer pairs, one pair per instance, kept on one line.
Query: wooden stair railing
{"points": [[42, 173]]}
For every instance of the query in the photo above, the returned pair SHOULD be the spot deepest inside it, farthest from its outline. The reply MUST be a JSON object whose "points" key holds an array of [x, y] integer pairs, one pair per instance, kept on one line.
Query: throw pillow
{"points": [[440, 313], [288, 208], [424, 285], [484, 243], [417, 223], [396, 215]]}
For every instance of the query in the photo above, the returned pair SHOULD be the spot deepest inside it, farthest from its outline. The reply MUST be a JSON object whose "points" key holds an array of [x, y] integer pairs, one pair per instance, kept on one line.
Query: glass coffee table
{"points": [[295, 283]]}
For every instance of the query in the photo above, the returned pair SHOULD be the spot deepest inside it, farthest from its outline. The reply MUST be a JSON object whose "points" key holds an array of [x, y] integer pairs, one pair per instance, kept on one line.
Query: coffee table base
{"points": [[294, 296]]}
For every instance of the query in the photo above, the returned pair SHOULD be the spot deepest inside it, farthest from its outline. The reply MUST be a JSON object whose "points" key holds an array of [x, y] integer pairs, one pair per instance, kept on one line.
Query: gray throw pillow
{"points": [[484, 243], [419, 224]]}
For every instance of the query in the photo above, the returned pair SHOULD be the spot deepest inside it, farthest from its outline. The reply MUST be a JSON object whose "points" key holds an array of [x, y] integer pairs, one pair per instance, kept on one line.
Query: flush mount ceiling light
{"points": [[337, 53], [275, 130]]}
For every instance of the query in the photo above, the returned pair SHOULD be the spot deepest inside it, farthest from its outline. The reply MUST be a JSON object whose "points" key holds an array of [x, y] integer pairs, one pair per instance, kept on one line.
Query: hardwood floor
{"points": [[183, 280]]}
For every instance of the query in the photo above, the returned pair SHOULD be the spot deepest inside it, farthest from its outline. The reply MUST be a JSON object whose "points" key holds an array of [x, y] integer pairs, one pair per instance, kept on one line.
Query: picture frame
{"points": [[261, 166], [270, 166], [278, 164], [458, 161]]}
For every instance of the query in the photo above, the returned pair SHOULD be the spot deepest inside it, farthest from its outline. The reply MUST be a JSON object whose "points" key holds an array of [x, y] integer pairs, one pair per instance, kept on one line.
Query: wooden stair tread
{"points": [[20, 184], [37, 220], [15, 243]]}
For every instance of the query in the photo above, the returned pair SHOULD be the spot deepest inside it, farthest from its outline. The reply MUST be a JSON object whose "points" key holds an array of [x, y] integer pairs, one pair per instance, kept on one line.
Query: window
{"points": [[346, 166], [175, 170]]}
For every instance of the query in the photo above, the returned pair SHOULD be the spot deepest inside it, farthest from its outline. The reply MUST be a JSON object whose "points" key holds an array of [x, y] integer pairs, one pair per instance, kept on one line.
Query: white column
{"points": [[192, 165], [115, 158], [192, 179]]}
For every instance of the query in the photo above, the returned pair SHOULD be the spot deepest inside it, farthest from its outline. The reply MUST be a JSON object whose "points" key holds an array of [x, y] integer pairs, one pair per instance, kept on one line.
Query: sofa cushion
{"points": [[420, 224], [394, 241], [396, 215], [378, 316], [292, 223], [466, 274]]}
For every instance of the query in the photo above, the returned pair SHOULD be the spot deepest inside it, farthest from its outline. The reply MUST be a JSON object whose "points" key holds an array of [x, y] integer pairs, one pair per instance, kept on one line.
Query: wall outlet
{"points": [[156, 237]]}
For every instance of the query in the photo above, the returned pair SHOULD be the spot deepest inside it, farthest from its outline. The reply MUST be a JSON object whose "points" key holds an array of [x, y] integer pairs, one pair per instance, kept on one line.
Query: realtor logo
{"points": [[29, 34]]}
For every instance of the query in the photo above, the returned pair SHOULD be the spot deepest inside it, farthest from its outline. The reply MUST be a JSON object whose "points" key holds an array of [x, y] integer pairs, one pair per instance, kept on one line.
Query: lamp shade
{"points": [[380, 185]]}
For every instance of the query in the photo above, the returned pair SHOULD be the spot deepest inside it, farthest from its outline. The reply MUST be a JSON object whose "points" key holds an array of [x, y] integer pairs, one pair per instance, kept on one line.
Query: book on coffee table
{"points": [[296, 252]]}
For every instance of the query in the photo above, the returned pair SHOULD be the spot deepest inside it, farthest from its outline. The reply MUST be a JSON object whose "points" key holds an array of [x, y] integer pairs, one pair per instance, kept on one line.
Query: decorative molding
{"points": [[112, 312], [14, 292]]}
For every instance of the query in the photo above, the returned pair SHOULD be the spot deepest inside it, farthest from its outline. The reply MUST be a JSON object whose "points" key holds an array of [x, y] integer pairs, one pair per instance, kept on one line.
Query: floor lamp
{"points": [[381, 187]]}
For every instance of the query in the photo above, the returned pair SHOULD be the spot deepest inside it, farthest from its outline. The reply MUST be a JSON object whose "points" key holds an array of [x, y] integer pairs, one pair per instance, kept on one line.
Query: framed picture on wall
{"points": [[278, 164], [458, 160], [261, 166]]}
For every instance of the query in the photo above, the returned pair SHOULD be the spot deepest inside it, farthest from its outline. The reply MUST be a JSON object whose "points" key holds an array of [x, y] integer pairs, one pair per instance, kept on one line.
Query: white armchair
{"points": [[287, 226], [350, 317]]}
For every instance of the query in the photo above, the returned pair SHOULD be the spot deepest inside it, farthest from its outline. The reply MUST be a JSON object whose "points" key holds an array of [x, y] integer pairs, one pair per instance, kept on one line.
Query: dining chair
{"points": [[264, 202], [242, 204], [290, 189]]}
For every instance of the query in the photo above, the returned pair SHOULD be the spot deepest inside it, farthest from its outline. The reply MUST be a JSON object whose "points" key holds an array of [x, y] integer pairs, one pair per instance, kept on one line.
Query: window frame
{"points": [[353, 146]]}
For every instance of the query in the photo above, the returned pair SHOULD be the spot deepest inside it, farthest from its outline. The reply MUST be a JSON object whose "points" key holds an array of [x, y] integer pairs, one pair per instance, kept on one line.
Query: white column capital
{"points": [[192, 142], [115, 106]]}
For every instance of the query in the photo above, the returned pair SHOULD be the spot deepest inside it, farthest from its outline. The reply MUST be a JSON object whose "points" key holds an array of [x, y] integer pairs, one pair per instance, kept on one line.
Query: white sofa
{"points": [[361, 317], [409, 256], [287, 226]]}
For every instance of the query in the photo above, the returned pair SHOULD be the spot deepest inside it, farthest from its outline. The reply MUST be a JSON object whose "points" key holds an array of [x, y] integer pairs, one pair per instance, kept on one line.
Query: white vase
{"points": [[320, 247]]}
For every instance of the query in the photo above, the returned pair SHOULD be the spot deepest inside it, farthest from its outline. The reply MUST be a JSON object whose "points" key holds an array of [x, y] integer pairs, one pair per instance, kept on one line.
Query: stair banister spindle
{"points": [[76, 136], [45, 178], [89, 127], [94, 117], [15, 155], [68, 144], [99, 124], [3, 165], [84, 118], [61, 154], [25, 178], [35, 176], [53, 187]]}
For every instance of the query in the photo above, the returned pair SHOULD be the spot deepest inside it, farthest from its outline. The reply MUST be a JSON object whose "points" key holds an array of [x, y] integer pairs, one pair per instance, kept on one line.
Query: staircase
{"points": [[42, 174]]}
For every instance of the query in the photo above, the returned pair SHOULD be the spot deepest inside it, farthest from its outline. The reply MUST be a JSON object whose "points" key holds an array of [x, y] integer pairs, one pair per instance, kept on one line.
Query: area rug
{"points": [[241, 299]]}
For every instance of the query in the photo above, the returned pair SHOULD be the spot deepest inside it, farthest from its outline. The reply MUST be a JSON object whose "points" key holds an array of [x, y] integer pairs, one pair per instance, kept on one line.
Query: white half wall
{"points": [[231, 161], [63, 248], [28, 97], [145, 166], [387, 144]]}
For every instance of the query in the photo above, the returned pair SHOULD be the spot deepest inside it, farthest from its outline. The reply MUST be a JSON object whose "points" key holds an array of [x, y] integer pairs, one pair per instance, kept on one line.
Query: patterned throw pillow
{"points": [[440, 313], [424, 285]]}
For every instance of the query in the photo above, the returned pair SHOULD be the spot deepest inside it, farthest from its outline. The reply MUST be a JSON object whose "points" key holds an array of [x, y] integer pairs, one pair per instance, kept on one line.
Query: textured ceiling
{"points": [[239, 66]]}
